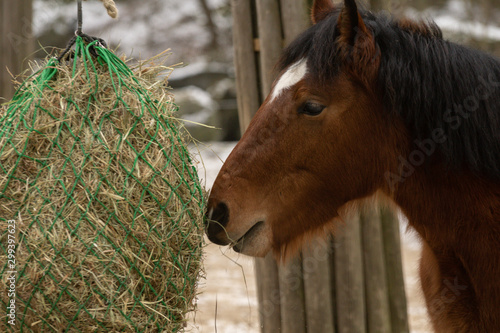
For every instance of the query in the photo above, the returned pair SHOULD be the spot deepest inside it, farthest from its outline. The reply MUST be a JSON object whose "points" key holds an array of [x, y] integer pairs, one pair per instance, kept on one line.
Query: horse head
{"points": [[319, 141]]}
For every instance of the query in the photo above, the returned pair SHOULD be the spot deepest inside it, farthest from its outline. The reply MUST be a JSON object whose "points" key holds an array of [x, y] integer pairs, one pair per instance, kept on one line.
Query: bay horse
{"points": [[366, 104]]}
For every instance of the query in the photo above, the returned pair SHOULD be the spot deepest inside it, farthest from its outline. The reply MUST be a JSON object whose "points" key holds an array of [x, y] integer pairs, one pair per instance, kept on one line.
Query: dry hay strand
{"points": [[105, 197]]}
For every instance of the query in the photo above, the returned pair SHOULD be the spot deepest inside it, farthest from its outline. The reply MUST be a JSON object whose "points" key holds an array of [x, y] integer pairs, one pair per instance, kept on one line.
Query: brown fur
{"points": [[428, 30], [457, 216], [320, 10]]}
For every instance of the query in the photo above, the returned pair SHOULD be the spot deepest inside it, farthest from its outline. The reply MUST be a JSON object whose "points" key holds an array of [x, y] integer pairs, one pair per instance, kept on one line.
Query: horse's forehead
{"points": [[292, 76]]}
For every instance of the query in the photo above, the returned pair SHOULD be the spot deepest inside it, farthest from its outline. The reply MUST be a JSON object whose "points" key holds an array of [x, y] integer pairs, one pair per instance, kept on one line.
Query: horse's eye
{"points": [[311, 108]]}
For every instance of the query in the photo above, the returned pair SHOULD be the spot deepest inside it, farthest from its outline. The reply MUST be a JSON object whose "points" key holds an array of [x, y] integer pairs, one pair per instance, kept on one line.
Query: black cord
{"points": [[80, 17], [88, 39], [67, 49]]}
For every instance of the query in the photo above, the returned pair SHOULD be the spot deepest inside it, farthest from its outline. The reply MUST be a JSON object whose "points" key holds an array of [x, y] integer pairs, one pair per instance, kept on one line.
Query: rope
{"points": [[110, 7], [80, 18]]}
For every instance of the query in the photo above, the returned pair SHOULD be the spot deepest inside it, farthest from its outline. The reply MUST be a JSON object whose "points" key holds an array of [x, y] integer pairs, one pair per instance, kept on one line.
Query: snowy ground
{"points": [[228, 297]]}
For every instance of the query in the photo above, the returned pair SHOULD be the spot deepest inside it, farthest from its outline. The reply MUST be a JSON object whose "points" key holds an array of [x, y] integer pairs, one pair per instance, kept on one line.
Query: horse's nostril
{"points": [[219, 214], [216, 220]]}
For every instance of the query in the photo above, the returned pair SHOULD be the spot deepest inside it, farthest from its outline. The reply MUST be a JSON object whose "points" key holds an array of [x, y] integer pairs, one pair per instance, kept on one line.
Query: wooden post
{"points": [[16, 42], [268, 292], [293, 310], [377, 5], [394, 269], [377, 299], [295, 18], [349, 279], [270, 40], [245, 62], [318, 286]]}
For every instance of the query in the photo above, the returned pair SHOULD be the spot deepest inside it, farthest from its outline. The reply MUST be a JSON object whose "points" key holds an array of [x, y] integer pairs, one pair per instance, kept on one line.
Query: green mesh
{"points": [[106, 200]]}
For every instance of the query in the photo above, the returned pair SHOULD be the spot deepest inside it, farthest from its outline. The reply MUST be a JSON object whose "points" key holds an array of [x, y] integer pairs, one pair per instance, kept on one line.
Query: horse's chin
{"points": [[256, 242]]}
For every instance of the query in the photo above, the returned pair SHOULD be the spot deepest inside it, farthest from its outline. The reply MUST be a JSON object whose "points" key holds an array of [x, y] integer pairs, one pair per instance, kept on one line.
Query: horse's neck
{"points": [[449, 208], [458, 216]]}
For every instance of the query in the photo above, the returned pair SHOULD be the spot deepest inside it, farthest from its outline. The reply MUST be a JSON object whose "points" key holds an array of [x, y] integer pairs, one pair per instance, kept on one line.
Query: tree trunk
{"points": [[16, 42], [211, 26]]}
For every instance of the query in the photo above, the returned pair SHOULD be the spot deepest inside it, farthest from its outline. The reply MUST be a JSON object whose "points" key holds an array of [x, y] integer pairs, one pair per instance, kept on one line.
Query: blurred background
{"points": [[199, 34]]}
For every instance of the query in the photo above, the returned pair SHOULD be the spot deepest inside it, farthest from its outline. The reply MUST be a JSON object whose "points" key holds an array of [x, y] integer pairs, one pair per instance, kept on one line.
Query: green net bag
{"points": [[100, 203]]}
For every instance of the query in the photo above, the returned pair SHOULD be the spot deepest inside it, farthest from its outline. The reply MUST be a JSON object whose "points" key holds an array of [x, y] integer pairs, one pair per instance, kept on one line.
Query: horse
{"points": [[364, 105]]}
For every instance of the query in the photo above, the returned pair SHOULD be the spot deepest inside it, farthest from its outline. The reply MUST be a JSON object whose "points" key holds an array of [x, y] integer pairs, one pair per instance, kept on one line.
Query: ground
{"points": [[227, 302]]}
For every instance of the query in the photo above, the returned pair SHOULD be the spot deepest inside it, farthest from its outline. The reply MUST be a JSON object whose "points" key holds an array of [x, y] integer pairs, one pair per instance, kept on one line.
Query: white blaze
{"points": [[292, 76]]}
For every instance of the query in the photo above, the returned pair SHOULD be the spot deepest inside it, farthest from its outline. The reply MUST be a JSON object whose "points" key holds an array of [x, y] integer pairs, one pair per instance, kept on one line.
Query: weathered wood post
{"points": [[352, 284], [16, 42]]}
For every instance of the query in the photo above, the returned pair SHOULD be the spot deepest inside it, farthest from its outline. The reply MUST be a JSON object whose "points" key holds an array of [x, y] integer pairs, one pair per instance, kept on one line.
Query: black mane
{"points": [[430, 82]]}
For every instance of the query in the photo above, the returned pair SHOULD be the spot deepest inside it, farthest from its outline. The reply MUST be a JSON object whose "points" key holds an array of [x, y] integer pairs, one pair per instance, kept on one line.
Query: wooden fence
{"points": [[16, 42], [351, 284]]}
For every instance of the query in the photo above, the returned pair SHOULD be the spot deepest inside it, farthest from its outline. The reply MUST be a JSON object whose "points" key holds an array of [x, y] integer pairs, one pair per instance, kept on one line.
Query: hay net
{"points": [[106, 200]]}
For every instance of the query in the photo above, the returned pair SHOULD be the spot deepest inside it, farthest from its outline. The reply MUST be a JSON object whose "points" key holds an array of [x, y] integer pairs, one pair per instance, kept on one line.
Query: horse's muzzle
{"points": [[216, 220]]}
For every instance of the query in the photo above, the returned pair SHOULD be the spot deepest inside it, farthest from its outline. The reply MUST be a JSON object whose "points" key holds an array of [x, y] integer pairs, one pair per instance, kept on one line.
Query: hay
{"points": [[107, 203]]}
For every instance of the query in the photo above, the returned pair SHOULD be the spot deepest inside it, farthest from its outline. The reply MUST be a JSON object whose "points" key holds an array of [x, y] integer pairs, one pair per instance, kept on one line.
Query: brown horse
{"points": [[366, 104]]}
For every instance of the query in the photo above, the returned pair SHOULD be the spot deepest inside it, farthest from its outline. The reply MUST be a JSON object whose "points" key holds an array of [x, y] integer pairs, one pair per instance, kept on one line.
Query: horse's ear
{"points": [[350, 22], [320, 10], [357, 43]]}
